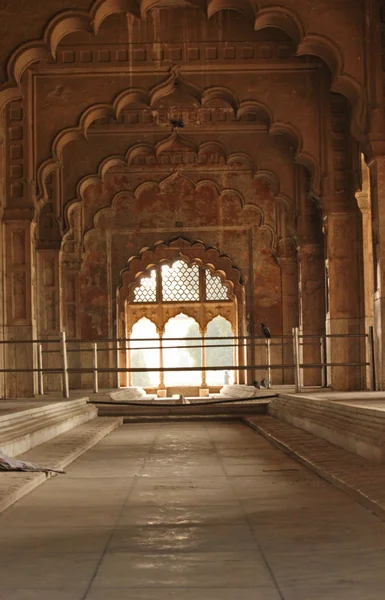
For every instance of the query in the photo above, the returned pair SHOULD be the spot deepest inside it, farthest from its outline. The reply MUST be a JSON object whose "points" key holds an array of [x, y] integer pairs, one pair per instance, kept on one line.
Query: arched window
{"points": [[180, 282], [180, 329], [220, 353], [181, 299], [145, 353]]}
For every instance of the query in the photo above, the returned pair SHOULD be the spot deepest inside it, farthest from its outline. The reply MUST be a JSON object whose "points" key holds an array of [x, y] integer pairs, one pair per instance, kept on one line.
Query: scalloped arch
{"points": [[102, 9], [153, 4], [77, 20], [280, 18], [222, 193], [149, 150], [104, 110], [246, 7], [169, 251]]}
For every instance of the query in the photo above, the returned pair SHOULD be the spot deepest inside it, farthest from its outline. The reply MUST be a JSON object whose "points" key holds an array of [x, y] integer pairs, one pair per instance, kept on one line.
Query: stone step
{"points": [[356, 429], [14, 416], [359, 477], [26, 429], [56, 453]]}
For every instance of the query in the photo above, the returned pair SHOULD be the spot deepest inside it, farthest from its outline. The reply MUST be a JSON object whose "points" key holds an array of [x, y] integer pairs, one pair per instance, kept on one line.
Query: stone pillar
{"points": [[344, 298], [377, 171], [288, 261], [161, 360], [3, 376], [364, 204], [48, 308], [20, 307], [312, 307], [202, 332], [70, 321]]}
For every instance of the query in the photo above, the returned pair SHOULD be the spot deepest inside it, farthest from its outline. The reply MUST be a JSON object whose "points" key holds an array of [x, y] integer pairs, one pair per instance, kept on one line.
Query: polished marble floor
{"points": [[189, 511]]}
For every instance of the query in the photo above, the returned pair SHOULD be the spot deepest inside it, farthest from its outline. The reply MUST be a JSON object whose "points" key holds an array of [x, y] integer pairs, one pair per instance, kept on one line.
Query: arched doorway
{"points": [[186, 303]]}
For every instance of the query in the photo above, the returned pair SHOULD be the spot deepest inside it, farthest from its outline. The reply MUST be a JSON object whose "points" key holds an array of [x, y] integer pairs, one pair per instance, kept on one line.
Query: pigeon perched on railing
{"points": [[256, 385], [264, 384], [266, 331], [13, 464]]}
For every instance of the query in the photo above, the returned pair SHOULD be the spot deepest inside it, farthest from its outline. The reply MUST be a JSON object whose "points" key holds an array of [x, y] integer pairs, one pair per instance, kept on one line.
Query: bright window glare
{"points": [[148, 357], [182, 327], [219, 356]]}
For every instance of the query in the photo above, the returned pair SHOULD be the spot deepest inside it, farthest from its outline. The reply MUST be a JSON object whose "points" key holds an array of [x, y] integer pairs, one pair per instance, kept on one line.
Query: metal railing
{"points": [[296, 342]]}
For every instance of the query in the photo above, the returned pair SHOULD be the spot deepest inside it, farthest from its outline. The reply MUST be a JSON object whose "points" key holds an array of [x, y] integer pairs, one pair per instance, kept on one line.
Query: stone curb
{"points": [[57, 453], [345, 467]]}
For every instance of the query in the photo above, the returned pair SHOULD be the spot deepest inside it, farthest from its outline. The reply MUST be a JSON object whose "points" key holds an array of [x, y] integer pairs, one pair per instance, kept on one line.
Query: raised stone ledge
{"points": [[356, 429], [56, 453], [28, 428], [356, 476]]}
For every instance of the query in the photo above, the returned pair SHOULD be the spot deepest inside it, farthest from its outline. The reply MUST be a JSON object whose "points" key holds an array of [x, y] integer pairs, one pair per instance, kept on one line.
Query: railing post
{"points": [[117, 363], [95, 367], [324, 372], [372, 362], [324, 360], [63, 349], [297, 365], [40, 367], [268, 361]]}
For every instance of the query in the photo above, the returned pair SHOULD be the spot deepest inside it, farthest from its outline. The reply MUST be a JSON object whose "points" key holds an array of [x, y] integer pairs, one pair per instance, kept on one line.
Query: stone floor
{"points": [[189, 511]]}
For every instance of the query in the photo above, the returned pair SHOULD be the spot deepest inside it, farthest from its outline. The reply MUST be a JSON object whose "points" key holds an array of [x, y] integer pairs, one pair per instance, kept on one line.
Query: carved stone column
{"points": [[20, 315], [202, 333], [312, 307], [344, 298], [364, 204], [288, 260], [3, 376], [162, 385], [48, 317], [377, 169]]}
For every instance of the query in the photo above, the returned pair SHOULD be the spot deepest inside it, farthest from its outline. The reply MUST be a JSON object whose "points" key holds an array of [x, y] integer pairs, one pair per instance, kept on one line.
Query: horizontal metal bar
{"points": [[122, 340], [178, 369], [313, 365]]}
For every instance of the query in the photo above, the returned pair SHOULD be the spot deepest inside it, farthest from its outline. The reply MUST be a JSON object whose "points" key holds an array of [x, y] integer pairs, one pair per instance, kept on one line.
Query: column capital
{"points": [[25, 213], [287, 250]]}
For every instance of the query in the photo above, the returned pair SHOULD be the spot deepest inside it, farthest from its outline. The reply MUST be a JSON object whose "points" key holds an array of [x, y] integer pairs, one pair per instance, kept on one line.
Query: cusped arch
{"points": [[112, 111], [147, 5], [102, 9], [248, 8], [240, 161], [70, 21], [167, 252], [280, 18]]}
